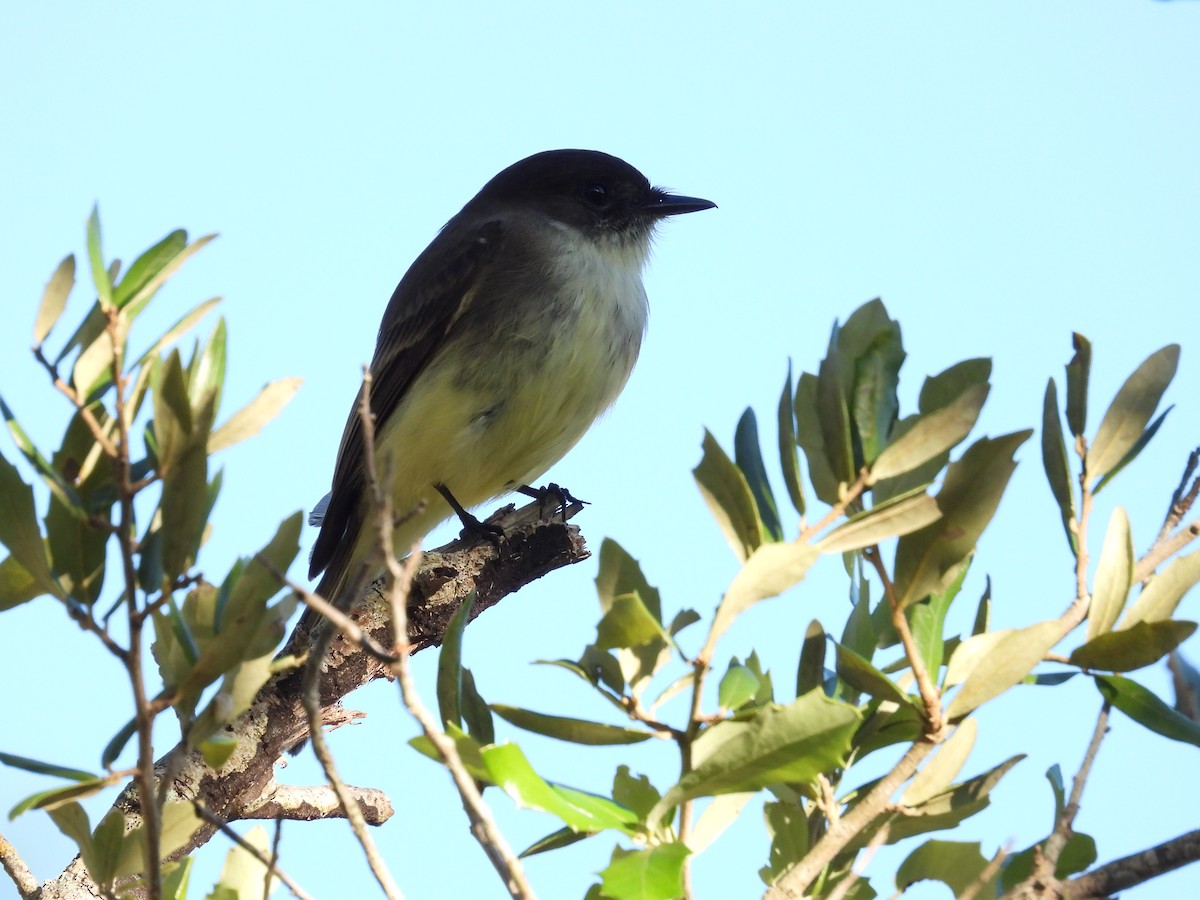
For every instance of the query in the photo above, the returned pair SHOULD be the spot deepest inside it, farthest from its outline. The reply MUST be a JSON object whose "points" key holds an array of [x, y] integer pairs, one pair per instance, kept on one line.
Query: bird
{"points": [[508, 336]]}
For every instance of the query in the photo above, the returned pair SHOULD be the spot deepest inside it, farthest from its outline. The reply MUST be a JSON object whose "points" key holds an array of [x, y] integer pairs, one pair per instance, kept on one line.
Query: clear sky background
{"points": [[1001, 174]]}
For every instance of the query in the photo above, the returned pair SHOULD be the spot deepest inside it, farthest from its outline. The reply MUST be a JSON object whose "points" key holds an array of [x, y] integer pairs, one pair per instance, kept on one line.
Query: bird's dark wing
{"points": [[424, 306]]}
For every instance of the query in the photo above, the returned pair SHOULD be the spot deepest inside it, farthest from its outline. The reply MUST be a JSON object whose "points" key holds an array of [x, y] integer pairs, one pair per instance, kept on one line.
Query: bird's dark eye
{"points": [[596, 196]]}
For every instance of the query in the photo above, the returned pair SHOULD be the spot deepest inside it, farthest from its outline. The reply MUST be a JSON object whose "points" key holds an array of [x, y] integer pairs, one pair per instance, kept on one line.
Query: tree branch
{"points": [[1124, 873], [22, 877], [276, 721]]}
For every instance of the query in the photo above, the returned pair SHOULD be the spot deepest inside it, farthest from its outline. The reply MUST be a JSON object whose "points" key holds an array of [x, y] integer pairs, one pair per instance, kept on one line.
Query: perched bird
{"points": [[503, 342]]}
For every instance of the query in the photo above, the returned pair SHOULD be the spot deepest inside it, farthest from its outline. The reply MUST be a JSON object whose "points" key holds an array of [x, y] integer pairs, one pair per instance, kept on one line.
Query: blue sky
{"points": [[1000, 174]]}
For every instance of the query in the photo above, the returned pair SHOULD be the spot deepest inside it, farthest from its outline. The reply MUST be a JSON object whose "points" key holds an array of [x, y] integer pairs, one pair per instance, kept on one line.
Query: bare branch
{"points": [[935, 720], [397, 585], [277, 720], [1124, 873], [311, 698], [308, 803], [1064, 828], [22, 877]]}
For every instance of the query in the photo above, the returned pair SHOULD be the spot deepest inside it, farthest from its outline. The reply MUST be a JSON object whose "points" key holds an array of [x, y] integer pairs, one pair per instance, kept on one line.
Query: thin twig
{"points": [[986, 876], [397, 583], [311, 695], [1181, 502], [341, 622], [925, 685], [85, 413], [843, 887], [796, 880], [1064, 828], [1164, 549], [852, 493], [273, 865], [272, 868], [143, 714], [685, 741], [22, 877]]}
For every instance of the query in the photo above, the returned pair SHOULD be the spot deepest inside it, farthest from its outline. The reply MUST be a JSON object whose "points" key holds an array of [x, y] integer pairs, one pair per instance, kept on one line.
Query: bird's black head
{"points": [[588, 190]]}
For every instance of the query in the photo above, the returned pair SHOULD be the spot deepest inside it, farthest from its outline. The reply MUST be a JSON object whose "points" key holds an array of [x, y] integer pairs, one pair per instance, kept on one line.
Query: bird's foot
{"points": [[471, 526], [552, 497]]}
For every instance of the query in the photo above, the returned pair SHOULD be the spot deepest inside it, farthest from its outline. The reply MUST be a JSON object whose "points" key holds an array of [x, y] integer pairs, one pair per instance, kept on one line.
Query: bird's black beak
{"points": [[664, 204]]}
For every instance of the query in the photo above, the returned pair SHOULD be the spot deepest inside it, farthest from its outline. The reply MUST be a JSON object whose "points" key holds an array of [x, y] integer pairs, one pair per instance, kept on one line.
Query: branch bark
{"points": [[277, 720]]}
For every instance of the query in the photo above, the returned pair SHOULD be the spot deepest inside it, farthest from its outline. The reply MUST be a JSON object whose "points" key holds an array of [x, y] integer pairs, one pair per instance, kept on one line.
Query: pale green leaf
{"points": [[1010, 660], [1130, 411], [1114, 574]]}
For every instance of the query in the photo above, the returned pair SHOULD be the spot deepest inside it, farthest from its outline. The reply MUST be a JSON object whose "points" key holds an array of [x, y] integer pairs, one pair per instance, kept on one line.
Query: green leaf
{"points": [[948, 808], [810, 674], [864, 677], [107, 842], [635, 794], [217, 750], [475, 712], [449, 673], [1132, 648], [73, 822], [96, 259], [556, 840], [249, 420], [117, 743], [54, 299], [1158, 599], [1055, 460], [788, 827], [770, 570], [1130, 411], [940, 771], [811, 440], [44, 768], [968, 499], [510, 770], [1078, 371], [871, 351], [1134, 451], [933, 434], [1146, 709], [652, 874], [792, 743], [893, 518], [148, 265], [138, 300], [738, 686], [19, 530], [628, 623], [179, 822], [729, 498], [619, 574], [1114, 575], [956, 864], [941, 390], [243, 875], [1009, 661], [576, 731], [748, 456], [17, 586], [718, 815], [789, 459], [56, 797], [927, 620], [239, 687], [833, 415], [185, 324]]}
